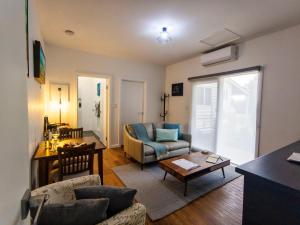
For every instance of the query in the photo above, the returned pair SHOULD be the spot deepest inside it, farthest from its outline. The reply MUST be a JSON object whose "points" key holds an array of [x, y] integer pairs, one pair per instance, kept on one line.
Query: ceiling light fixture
{"points": [[164, 36], [69, 32]]}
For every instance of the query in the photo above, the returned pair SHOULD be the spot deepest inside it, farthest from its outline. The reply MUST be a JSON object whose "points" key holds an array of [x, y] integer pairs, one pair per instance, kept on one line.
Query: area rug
{"points": [[162, 198]]}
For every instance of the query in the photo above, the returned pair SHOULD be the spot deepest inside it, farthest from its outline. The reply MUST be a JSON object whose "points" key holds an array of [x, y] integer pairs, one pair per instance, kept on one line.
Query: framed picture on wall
{"points": [[177, 89]]}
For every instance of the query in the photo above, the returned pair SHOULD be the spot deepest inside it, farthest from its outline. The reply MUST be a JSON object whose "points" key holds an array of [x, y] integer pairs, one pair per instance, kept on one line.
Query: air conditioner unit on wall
{"points": [[221, 55]]}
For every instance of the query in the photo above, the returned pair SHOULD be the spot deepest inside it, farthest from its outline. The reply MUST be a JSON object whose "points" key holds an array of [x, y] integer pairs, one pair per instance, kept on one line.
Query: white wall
{"points": [[63, 65], [35, 91], [14, 163], [21, 107], [279, 53]]}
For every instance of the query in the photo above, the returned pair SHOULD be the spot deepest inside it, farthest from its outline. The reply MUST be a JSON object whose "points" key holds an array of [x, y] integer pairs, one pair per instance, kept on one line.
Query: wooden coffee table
{"points": [[187, 175]]}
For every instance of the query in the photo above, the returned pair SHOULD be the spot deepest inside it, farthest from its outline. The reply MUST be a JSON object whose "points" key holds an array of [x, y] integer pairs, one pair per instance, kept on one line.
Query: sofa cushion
{"points": [[174, 126], [159, 125], [171, 146], [163, 135], [149, 128], [148, 150]]}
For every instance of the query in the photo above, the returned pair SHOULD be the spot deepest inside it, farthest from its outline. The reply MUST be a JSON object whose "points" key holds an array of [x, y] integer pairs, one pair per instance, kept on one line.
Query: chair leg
{"points": [[142, 166]]}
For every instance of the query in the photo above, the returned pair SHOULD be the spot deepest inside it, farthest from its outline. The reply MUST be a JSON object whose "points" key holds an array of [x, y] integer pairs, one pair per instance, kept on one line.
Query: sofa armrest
{"points": [[63, 191], [133, 147], [188, 138], [134, 215]]}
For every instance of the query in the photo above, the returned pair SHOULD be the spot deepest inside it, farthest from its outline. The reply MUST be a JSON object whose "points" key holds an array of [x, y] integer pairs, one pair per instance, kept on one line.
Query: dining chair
{"points": [[73, 162], [66, 133]]}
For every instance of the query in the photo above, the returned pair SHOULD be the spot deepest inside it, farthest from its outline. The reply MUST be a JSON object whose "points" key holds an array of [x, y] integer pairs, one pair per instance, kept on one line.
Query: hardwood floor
{"points": [[222, 206]]}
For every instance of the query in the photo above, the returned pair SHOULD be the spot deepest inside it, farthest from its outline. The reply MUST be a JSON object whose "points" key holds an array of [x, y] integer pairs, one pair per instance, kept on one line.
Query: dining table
{"points": [[45, 156]]}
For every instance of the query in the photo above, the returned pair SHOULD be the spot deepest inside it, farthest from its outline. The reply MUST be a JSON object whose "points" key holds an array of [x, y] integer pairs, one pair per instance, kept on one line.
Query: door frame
{"points": [[108, 79], [120, 103]]}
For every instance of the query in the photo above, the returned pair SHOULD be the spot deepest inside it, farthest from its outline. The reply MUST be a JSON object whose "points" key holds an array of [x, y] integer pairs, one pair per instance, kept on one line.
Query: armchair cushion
{"points": [[119, 198], [80, 212]]}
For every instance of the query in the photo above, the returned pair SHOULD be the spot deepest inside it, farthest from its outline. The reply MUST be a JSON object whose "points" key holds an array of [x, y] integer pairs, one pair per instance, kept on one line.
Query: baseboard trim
{"points": [[115, 146]]}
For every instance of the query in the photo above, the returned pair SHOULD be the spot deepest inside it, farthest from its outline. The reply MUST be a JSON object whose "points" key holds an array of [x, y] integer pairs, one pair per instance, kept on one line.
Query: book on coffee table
{"points": [[185, 164], [294, 157], [213, 158]]}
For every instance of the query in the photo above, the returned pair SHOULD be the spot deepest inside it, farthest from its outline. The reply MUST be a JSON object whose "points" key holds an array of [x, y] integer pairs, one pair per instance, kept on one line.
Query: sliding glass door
{"points": [[204, 114], [225, 115]]}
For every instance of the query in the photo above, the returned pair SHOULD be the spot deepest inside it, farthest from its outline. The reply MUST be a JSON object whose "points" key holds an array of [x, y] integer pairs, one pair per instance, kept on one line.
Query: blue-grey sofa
{"points": [[144, 153]]}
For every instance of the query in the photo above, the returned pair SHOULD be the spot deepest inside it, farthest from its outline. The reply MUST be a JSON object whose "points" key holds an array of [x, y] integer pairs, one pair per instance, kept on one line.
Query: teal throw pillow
{"points": [[166, 135], [174, 126]]}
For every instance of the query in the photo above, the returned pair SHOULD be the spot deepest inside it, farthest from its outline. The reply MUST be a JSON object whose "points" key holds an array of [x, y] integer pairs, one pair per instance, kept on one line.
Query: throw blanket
{"points": [[141, 134]]}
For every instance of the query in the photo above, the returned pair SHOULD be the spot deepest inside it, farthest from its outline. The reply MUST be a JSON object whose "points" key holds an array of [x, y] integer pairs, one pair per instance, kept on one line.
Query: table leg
{"points": [[185, 188], [43, 172], [165, 175], [100, 165], [223, 172]]}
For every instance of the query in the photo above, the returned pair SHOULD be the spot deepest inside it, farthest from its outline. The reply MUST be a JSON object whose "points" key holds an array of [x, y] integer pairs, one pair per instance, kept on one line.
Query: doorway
{"points": [[92, 106], [225, 115], [132, 103]]}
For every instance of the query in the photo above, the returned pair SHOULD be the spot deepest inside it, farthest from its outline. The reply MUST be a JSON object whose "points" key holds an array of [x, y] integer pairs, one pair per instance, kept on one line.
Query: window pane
{"points": [[203, 123], [237, 117]]}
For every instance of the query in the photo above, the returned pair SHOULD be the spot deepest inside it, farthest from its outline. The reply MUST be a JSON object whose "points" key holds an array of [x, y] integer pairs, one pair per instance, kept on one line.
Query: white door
{"points": [[132, 103], [92, 99]]}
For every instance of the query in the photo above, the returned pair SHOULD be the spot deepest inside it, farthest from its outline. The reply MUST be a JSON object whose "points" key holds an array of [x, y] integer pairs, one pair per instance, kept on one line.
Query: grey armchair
{"points": [[62, 192]]}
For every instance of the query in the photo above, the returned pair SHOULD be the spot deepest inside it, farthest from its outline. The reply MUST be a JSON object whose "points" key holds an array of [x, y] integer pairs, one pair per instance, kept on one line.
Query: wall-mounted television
{"points": [[39, 62]]}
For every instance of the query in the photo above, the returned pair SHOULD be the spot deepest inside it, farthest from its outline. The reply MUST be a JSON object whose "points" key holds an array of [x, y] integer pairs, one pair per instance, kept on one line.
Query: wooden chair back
{"points": [[75, 160], [66, 133]]}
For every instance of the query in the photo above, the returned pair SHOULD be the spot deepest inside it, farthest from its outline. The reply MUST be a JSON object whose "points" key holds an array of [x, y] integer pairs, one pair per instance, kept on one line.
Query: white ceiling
{"points": [[128, 28]]}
